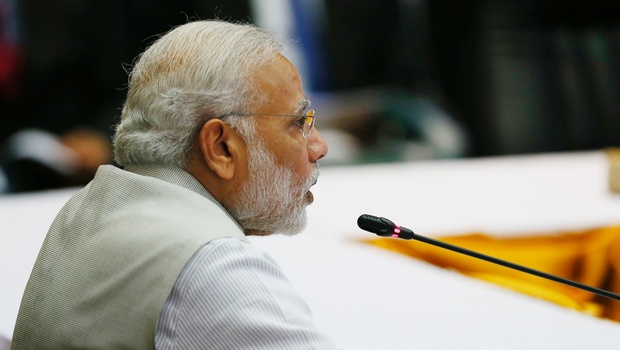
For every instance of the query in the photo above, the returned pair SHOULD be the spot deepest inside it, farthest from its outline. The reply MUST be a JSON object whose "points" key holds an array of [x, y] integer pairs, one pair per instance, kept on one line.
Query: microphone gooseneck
{"points": [[386, 228]]}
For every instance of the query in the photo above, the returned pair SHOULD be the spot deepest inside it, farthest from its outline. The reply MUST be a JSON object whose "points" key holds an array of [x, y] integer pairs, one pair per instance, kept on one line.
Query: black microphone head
{"points": [[383, 227], [377, 225]]}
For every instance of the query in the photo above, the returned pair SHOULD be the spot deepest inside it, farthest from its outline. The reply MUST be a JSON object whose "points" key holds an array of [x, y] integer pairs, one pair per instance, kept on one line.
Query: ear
{"points": [[220, 148]]}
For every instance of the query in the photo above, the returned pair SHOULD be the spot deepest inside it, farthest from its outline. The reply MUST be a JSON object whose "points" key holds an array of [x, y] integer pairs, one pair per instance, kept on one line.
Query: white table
{"points": [[368, 298]]}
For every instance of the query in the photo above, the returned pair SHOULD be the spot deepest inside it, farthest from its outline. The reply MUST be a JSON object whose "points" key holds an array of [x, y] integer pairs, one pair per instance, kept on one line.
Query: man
{"points": [[216, 143]]}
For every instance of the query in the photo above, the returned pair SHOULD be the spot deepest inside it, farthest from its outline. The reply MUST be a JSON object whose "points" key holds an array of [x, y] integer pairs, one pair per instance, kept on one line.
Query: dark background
{"points": [[520, 76]]}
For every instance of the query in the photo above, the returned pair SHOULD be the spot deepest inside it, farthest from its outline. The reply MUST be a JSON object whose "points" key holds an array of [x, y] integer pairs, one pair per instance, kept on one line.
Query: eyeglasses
{"points": [[305, 121]]}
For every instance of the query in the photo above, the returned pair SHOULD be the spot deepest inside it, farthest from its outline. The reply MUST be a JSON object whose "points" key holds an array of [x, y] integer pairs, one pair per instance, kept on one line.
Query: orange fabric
{"points": [[590, 257]]}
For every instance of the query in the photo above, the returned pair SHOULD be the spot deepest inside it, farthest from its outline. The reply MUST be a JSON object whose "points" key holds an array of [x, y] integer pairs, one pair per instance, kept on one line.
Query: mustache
{"points": [[313, 177]]}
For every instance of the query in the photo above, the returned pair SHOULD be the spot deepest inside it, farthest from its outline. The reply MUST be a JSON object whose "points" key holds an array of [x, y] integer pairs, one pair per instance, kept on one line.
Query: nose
{"points": [[317, 147]]}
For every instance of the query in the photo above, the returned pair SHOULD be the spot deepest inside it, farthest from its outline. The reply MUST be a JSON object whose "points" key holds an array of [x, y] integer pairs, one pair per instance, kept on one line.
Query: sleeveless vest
{"points": [[110, 260]]}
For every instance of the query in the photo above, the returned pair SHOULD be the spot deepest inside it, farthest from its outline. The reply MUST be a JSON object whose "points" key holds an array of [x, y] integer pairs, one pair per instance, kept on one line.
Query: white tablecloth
{"points": [[368, 298]]}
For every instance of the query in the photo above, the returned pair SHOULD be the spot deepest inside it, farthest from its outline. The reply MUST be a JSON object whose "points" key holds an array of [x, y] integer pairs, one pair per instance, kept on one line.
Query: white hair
{"points": [[195, 72]]}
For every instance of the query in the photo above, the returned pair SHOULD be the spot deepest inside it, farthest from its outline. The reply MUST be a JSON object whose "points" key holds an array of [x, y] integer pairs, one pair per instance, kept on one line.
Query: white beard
{"points": [[274, 198]]}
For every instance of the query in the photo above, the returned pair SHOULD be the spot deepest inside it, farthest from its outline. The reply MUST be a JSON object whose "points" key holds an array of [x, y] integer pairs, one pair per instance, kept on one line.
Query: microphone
{"points": [[383, 227], [386, 228]]}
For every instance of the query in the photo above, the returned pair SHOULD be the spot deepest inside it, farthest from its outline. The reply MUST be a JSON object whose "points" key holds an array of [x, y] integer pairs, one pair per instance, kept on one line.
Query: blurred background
{"points": [[392, 80]]}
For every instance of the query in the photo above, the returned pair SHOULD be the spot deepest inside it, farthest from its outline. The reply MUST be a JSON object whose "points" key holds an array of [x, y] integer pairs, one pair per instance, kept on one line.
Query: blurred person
{"points": [[67, 70], [35, 160], [59, 80], [216, 143]]}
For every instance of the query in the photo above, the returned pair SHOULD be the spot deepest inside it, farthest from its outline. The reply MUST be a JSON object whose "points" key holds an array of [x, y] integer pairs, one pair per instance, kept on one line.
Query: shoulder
{"points": [[228, 264], [230, 253]]}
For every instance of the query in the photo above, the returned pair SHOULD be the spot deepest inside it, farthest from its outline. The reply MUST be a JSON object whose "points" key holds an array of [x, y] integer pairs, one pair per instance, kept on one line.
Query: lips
{"points": [[314, 178], [309, 197]]}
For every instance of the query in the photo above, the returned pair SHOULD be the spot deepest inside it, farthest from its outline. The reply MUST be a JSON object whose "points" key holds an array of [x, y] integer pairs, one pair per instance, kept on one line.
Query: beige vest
{"points": [[110, 260]]}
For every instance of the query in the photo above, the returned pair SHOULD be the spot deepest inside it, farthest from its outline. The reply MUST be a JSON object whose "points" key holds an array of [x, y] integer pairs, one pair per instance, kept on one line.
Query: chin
{"points": [[296, 227], [289, 225]]}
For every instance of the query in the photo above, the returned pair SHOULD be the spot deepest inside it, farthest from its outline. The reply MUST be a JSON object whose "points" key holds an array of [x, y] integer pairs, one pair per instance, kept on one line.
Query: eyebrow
{"points": [[304, 103]]}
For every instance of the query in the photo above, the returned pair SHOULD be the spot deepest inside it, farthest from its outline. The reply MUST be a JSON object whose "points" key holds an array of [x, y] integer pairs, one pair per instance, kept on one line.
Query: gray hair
{"points": [[195, 72]]}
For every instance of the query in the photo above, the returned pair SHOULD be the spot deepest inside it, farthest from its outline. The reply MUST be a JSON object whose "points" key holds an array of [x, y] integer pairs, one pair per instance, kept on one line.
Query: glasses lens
{"points": [[309, 124]]}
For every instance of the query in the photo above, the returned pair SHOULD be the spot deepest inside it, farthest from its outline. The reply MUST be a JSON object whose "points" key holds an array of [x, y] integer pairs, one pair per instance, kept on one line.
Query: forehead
{"points": [[280, 82]]}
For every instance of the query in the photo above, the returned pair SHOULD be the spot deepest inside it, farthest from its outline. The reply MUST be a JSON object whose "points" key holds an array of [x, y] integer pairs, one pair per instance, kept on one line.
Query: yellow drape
{"points": [[590, 257]]}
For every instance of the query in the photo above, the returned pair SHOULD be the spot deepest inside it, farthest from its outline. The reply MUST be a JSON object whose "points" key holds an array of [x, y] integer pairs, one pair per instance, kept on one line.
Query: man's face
{"points": [[281, 164], [273, 199]]}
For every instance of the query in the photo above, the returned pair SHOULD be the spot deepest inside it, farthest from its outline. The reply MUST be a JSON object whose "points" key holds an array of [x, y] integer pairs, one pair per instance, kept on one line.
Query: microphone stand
{"points": [[385, 228]]}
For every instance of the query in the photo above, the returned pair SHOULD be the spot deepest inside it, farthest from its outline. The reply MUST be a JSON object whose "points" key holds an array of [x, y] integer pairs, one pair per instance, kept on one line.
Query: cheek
{"points": [[296, 158], [290, 152]]}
